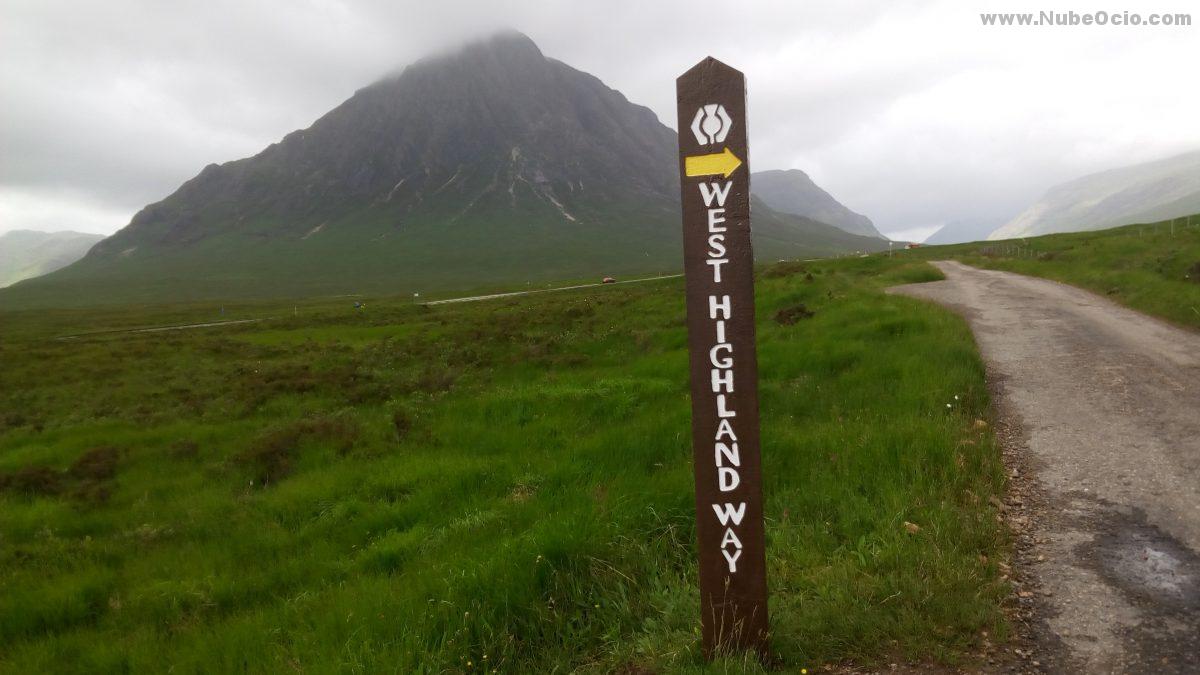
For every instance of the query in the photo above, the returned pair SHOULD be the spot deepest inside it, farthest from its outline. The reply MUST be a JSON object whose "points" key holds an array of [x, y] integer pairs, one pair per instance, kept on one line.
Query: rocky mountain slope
{"points": [[489, 166]]}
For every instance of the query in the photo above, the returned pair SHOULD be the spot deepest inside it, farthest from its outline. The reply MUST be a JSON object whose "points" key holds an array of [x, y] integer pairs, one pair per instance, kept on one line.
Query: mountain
{"points": [[961, 231], [488, 166], [776, 235], [25, 254], [793, 192], [1142, 193]]}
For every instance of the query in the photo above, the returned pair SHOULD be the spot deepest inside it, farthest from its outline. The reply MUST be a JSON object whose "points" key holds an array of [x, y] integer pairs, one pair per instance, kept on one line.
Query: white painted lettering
{"points": [[737, 553], [722, 411], [716, 247], [720, 331], [716, 265], [725, 429], [729, 513], [710, 191], [724, 305], [729, 452], [719, 362], [715, 218], [730, 538], [722, 379], [728, 479]]}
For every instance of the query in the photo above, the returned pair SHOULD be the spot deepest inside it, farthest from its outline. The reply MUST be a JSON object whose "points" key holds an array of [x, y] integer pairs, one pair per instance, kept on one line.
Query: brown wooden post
{"points": [[719, 270]]}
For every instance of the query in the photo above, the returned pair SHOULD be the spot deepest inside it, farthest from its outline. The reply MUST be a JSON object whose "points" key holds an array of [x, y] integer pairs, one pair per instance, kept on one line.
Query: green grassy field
{"points": [[1153, 268], [366, 253], [493, 487]]}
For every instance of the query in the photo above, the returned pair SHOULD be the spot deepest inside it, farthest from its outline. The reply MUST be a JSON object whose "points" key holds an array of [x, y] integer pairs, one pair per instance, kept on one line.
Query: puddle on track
{"points": [[1161, 577]]}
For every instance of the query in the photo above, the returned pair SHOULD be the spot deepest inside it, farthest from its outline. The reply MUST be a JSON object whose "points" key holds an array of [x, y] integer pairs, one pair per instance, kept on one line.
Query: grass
{"points": [[492, 487], [386, 250], [1153, 268]]}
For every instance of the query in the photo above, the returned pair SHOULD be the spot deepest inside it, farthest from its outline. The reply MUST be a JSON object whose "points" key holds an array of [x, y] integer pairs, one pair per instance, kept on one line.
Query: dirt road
{"points": [[493, 296], [1105, 405]]}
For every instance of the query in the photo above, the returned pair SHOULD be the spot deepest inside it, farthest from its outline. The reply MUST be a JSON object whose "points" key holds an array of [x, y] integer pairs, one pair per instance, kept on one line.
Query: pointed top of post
{"points": [[709, 67]]}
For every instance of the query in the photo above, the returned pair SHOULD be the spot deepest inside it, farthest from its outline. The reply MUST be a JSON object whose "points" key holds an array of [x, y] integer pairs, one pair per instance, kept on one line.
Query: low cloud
{"points": [[912, 113]]}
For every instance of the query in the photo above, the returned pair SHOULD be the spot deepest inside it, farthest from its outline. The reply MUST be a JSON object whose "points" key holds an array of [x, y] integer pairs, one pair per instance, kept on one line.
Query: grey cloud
{"points": [[119, 102]]}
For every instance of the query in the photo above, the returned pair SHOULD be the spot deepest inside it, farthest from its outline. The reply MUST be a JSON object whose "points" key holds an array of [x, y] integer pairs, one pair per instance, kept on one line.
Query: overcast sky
{"points": [[912, 113]]}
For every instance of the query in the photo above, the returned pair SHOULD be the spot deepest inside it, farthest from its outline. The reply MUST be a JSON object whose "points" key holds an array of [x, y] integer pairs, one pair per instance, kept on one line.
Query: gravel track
{"points": [[1099, 411]]}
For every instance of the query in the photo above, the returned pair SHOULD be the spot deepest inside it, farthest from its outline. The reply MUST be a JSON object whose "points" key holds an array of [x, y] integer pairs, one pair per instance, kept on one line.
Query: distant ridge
{"points": [[792, 191], [1141, 193], [960, 231], [26, 254]]}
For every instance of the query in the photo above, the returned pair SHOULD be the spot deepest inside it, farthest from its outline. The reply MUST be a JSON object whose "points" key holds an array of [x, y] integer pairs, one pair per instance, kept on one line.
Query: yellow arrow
{"points": [[723, 163]]}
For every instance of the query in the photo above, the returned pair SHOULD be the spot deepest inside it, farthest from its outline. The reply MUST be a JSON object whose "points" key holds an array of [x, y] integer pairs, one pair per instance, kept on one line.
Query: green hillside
{"points": [[1138, 193], [1153, 268], [501, 486], [365, 254]]}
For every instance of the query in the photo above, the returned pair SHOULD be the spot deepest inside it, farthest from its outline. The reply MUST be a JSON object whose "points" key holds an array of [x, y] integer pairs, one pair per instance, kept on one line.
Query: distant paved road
{"points": [[1107, 405], [473, 298], [477, 298]]}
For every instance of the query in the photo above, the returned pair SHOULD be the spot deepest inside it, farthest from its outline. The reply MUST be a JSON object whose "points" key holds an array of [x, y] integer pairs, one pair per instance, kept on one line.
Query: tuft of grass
{"points": [[504, 484], [1193, 273], [272, 455], [87, 479], [790, 315]]}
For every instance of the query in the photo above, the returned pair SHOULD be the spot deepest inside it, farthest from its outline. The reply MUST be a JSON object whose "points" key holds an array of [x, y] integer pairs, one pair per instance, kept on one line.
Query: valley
{"points": [[395, 378]]}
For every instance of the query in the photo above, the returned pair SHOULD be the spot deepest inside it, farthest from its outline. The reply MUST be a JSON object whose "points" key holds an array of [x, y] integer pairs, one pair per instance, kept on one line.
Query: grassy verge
{"points": [[492, 487], [1152, 268]]}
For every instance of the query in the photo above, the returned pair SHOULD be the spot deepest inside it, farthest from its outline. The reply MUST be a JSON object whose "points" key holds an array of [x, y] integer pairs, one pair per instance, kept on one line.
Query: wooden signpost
{"points": [[719, 267]]}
